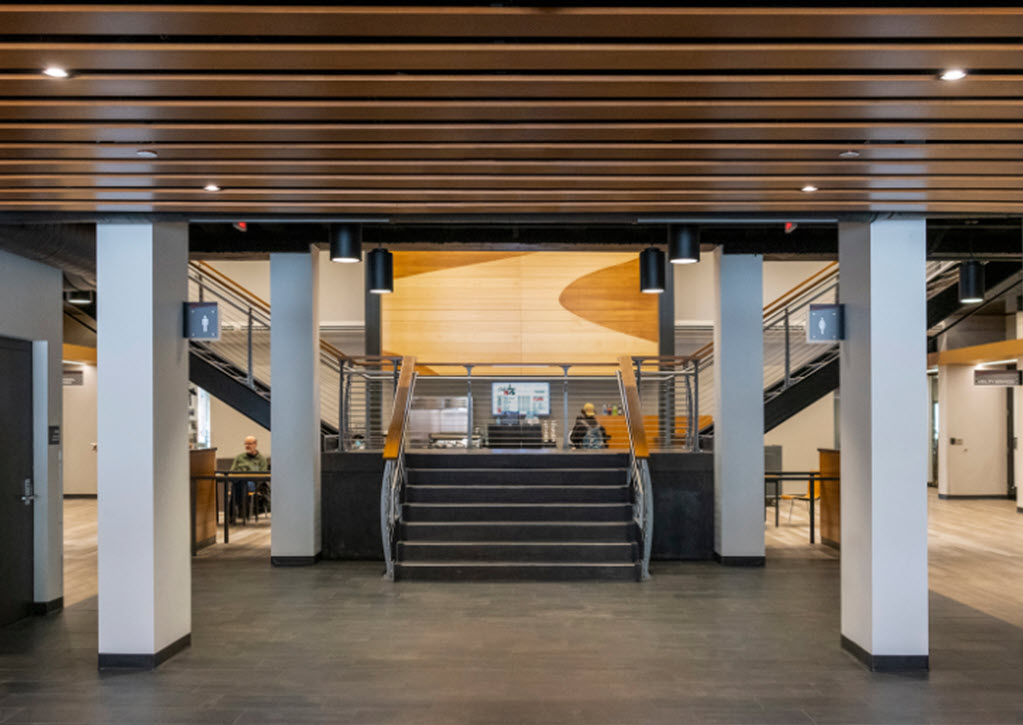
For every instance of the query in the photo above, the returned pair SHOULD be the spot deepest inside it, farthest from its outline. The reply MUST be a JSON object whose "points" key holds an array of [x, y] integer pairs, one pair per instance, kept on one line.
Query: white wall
{"points": [[341, 297], [228, 429], [976, 415], [80, 432], [31, 308], [801, 435]]}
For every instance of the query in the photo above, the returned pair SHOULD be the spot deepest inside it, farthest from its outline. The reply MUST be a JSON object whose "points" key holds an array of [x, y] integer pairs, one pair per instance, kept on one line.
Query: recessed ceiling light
{"points": [[809, 188], [146, 154], [953, 74], [211, 187], [849, 155], [54, 71]]}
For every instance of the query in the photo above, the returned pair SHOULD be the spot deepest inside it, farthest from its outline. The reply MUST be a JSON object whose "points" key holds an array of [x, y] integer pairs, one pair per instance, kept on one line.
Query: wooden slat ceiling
{"points": [[334, 111]]}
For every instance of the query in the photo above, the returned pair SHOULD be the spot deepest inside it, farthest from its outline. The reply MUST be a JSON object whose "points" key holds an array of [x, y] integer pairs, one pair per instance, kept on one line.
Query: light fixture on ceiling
{"points": [[380, 272], [346, 243], [850, 154], [211, 187], [651, 271], [971, 282], [953, 74], [809, 188], [683, 244], [146, 154], [55, 71], [80, 297]]}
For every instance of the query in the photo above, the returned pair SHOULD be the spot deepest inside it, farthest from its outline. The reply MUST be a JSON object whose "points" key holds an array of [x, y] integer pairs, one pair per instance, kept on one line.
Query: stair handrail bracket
{"points": [[639, 468], [393, 483]]}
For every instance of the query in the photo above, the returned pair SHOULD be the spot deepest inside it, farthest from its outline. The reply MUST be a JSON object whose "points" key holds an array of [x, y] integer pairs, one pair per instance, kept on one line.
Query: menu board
{"points": [[527, 399]]}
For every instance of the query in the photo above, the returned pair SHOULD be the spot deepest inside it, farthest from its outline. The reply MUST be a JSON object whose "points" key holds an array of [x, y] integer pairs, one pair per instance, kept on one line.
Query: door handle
{"points": [[29, 496]]}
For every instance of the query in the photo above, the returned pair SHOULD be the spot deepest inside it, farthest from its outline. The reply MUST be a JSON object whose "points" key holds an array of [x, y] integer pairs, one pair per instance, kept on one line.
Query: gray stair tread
{"points": [[519, 543], [505, 487], [516, 523], [581, 471], [498, 564], [500, 503]]}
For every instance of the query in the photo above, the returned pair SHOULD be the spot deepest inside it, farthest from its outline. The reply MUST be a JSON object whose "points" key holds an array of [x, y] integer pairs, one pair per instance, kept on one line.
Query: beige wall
{"points": [[802, 434], [80, 433], [228, 429]]}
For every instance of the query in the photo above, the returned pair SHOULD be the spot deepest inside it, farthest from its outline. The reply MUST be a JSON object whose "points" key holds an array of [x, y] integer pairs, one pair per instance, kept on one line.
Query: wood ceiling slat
{"points": [[545, 57], [539, 151], [276, 169], [415, 21], [297, 183], [525, 133], [218, 84], [266, 110]]}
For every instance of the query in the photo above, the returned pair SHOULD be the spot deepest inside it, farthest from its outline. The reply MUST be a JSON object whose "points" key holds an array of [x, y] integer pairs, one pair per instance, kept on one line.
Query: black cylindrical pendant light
{"points": [[346, 243], [683, 244], [971, 282], [380, 272], [651, 271]]}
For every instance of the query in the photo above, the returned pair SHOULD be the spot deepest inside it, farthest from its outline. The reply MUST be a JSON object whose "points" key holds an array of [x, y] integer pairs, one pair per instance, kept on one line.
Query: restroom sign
{"points": [[202, 321], [825, 323]]}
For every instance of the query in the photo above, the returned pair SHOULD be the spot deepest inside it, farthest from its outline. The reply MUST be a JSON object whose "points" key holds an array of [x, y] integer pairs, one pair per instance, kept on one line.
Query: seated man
{"points": [[249, 461]]}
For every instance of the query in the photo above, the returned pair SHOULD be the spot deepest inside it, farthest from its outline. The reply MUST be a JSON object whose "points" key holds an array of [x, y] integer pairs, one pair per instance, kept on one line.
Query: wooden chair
{"points": [[812, 495]]}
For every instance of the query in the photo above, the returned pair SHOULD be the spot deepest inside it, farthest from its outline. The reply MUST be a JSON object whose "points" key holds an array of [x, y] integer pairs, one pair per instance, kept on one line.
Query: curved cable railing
{"points": [[639, 469], [392, 487]]}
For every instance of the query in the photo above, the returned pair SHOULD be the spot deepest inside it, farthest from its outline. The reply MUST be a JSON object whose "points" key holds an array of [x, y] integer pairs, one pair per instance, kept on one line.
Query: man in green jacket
{"points": [[249, 461]]}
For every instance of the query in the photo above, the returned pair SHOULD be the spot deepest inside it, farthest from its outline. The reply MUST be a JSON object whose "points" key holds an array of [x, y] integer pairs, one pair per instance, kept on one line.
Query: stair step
{"points": [[509, 512], [517, 494], [517, 476], [517, 460], [567, 531], [522, 551], [513, 571]]}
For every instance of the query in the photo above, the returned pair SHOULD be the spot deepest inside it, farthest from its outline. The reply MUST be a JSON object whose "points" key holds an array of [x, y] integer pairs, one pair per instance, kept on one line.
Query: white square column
{"points": [[884, 443], [145, 578], [295, 408], [739, 409]]}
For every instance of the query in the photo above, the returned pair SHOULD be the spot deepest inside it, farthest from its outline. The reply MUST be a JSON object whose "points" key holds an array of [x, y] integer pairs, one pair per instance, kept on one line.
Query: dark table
{"points": [[776, 478]]}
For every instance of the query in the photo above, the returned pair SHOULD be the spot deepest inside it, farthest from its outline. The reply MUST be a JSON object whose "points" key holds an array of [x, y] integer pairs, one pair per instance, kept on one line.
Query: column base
{"points": [[886, 663], [969, 497], [41, 609], [295, 560], [143, 662], [740, 560]]}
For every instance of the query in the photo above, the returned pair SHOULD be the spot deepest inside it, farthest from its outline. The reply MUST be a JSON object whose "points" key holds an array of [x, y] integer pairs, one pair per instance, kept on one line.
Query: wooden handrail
{"points": [[779, 302], [395, 431], [635, 418], [253, 299]]}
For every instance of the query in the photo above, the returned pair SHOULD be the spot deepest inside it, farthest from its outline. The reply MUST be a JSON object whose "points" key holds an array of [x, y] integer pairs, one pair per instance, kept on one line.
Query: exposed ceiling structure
{"points": [[409, 112]]}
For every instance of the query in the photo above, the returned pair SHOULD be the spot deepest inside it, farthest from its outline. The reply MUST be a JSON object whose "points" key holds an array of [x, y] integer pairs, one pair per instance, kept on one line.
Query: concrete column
{"points": [[739, 410], [145, 585], [295, 408], [884, 443]]}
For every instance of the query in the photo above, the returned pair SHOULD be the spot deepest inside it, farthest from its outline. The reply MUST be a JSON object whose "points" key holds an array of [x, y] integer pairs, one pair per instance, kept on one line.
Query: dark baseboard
{"points": [[80, 495], [1001, 496], [295, 560], [886, 663], [831, 542], [41, 609], [206, 542], [143, 662], [739, 560], [1019, 509]]}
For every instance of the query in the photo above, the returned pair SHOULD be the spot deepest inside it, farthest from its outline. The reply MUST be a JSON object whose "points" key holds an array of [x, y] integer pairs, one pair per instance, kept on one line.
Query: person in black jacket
{"points": [[587, 431]]}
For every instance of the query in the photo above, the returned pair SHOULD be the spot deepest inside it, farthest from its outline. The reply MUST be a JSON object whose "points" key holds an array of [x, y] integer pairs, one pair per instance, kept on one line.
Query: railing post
{"points": [[249, 378], [695, 408], [567, 432], [468, 408], [788, 351], [341, 417]]}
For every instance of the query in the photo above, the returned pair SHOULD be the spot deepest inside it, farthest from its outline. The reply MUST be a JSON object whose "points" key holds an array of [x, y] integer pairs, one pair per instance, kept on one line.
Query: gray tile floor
{"points": [[336, 643]]}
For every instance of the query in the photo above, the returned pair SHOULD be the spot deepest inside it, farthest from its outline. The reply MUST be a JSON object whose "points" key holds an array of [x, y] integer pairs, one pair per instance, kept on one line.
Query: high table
{"points": [[225, 477], [813, 479]]}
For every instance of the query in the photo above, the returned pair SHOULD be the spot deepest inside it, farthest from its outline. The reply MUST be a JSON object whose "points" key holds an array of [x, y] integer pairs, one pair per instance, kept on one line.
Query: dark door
{"points": [[16, 504]]}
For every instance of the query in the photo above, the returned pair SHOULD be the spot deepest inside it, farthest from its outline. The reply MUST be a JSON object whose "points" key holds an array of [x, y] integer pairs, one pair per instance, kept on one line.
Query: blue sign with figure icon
{"points": [[202, 321], [825, 323]]}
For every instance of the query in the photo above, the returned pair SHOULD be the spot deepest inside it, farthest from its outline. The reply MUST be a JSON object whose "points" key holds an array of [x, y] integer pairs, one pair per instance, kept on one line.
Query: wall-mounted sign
{"points": [[825, 323], [1005, 378], [54, 435], [202, 321], [74, 377]]}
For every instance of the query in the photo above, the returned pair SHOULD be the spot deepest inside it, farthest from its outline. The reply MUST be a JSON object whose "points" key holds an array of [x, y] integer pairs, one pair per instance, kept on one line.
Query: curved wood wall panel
{"points": [[522, 307]]}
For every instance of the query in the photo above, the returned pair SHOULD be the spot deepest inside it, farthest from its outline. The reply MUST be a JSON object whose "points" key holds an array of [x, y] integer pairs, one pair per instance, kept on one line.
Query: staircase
{"points": [[516, 516]]}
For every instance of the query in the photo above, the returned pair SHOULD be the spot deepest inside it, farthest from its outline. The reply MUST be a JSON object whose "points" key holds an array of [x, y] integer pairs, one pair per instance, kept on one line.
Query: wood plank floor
{"points": [[975, 549]]}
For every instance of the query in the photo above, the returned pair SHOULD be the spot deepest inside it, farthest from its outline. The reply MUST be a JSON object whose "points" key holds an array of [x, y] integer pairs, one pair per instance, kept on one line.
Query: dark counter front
{"points": [[350, 496], [683, 505]]}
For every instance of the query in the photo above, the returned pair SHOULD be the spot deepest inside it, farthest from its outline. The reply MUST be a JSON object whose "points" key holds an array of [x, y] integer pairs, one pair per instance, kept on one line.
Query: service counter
{"points": [[202, 464], [683, 505]]}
